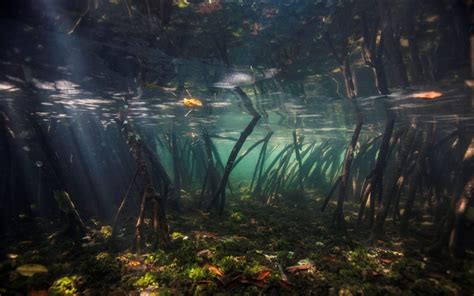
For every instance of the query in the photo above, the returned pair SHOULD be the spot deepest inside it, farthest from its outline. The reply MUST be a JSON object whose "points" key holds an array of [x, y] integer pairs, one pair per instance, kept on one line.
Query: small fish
{"points": [[235, 79], [428, 95], [150, 85], [12, 256]]}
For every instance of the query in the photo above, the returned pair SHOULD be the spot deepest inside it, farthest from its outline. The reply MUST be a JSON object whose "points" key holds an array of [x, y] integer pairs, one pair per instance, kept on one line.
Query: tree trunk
{"points": [[348, 79], [392, 44], [410, 13], [415, 62], [380, 78], [372, 53]]}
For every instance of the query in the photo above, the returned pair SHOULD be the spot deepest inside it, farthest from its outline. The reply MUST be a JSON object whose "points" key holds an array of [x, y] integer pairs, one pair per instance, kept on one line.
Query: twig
{"points": [[78, 21]]}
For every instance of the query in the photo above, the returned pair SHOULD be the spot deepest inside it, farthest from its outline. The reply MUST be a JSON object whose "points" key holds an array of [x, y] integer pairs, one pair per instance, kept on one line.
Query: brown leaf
{"points": [[206, 253], [215, 270], [262, 275], [297, 268]]}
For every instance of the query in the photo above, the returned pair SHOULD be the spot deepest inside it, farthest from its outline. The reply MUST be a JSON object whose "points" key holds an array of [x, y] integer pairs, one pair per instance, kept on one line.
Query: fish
{"points": [[427, 95], [150, 85], [236, 79]]}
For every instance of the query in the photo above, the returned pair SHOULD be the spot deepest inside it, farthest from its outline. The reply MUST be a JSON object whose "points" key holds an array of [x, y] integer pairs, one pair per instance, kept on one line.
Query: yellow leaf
{"points": [[183, 3], [428, 95], [31, 269], [192, 102]]}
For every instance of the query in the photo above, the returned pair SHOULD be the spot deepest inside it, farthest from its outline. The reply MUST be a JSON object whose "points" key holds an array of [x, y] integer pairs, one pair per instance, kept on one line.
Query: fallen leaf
{"points": [[183, 3], [428, 95], [192, 102], [206, 253], [386, 261], [297, 268], [262, 275], [31, 269], [215, 270], [135, 265]]}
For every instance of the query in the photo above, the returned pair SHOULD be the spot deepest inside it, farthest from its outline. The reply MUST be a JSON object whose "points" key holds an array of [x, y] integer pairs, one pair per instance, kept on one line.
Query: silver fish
{"points": [[235, 79]]}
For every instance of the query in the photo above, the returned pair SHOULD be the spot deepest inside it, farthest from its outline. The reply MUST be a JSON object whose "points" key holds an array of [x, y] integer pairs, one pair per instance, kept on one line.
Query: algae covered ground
{"points": [[253, 249]]}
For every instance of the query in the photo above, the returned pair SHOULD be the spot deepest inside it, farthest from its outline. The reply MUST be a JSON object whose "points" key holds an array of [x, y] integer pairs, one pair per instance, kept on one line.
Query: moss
{"points": [[67, 285], [237, 217], [106, 231], [230, 264], [197, 273], [408, 268], [252, 268], [148, 280]]}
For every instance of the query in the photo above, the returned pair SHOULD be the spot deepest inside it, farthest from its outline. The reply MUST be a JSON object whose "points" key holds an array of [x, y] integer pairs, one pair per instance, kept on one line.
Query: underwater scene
{"points": [[236, 147]]}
